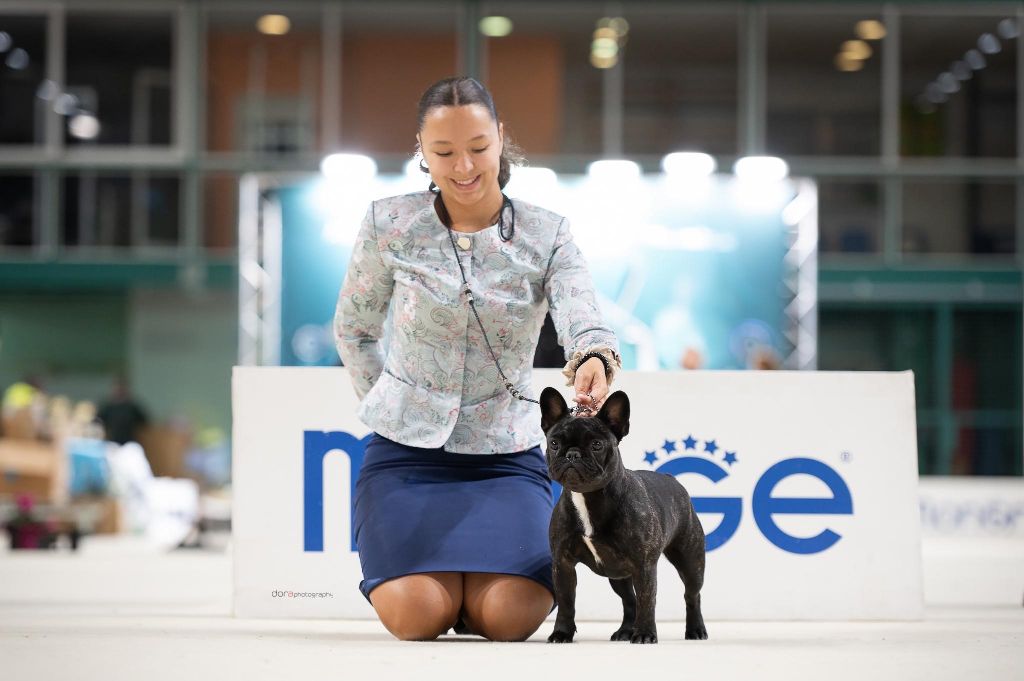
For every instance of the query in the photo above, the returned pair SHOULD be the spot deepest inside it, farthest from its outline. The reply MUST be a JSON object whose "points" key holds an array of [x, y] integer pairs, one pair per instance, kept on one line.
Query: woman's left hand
{"points": [[591, 385]]}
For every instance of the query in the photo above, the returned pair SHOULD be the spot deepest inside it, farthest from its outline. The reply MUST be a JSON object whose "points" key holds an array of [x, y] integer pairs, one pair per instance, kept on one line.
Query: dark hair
{"points": [[462, 91]]}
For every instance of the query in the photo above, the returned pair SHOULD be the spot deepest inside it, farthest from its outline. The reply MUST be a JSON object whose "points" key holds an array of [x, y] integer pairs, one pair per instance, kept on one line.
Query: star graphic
{"points": [[669, 446], [710, 447], [690, 442], [730, 458], [650, 457]]}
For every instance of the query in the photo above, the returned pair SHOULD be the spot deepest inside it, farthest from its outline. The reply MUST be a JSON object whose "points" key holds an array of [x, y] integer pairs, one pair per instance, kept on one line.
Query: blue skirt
{"points": [[428, 510]]}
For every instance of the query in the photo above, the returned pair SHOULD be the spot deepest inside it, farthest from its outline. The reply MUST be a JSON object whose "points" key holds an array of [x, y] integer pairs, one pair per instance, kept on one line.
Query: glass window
{"points": [[959, 216], [849, 216], [220, 206], [119, 78], [558, 108], [987, 392], [391, 53], [17, 203], [263, 88], [681, 81], [22, 71], [857, 339], [958, 86], [140, 209], [824, 84]]}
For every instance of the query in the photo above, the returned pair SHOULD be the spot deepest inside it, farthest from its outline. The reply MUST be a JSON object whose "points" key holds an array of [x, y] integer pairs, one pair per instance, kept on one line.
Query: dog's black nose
{"points": [[572, 454]]}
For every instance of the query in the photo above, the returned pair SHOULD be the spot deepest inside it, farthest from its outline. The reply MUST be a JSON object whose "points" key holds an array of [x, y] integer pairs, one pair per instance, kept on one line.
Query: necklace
{"points": [[446, 219]]}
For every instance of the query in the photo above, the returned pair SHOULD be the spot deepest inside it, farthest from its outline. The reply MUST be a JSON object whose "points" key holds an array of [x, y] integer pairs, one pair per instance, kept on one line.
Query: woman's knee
{"points": [[419, 607], [504, 607]]}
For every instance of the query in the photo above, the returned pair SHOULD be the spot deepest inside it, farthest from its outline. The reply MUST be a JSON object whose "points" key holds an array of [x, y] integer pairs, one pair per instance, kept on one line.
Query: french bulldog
{"points": [[616, 521]]}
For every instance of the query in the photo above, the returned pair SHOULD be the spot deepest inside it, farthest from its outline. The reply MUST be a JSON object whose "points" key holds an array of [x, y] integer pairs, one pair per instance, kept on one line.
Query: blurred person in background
{"points": [[122, 416], [453, 500]]}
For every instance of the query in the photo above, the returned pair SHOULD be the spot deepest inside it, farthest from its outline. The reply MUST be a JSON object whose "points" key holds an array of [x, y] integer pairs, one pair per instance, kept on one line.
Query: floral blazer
{"points": [[412, 346]]}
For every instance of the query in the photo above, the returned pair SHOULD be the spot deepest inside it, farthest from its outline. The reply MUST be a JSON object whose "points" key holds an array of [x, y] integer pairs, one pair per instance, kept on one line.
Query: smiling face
{"points": [[462, 146]]}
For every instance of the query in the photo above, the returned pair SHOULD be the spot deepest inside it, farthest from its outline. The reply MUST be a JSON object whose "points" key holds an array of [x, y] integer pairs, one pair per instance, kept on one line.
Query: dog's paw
{"points": [[558, 636], [644, 637], [696, 633], [623, 634]]}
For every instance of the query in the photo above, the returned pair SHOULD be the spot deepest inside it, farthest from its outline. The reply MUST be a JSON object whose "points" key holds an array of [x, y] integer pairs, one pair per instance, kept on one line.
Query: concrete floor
{"points": [[116, 611]]}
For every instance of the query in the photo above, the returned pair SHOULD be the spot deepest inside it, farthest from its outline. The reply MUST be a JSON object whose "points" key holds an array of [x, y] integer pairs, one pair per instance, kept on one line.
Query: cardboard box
{"points": [[165, 449], [35, 468], [19, 424]]}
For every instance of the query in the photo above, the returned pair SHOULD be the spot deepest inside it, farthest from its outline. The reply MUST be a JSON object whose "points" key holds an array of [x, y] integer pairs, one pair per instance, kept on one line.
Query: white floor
{"points": [[118, 611]]}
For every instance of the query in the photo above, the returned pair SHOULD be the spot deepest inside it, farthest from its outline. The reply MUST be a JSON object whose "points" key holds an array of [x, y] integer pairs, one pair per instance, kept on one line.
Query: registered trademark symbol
{"points": [[846, 457]]}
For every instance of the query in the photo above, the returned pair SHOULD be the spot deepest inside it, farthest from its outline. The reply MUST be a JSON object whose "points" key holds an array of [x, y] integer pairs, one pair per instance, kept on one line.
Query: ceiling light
{"points": [[989, 44], [66, 104], [273, 24], [17, 59], [870, 29], [47, 90], [948, 83], [1008, 29], [856, 49], [961, 71], [845, 62], [84, 126], [495, 27], [5, 41], [600, 62], [975, 59]]}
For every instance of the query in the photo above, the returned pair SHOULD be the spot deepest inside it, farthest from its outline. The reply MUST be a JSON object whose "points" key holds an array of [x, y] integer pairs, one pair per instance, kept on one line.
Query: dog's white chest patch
{"points": [[588, 529]]}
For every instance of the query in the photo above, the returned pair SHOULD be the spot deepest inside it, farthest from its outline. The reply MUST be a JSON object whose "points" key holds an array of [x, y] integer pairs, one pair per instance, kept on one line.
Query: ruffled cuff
{"points": [[612, 363]]}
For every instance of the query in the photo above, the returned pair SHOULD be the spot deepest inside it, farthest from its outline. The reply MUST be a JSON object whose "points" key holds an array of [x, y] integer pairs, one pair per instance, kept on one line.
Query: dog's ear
{"points": [[615, 414], [552, 408]]}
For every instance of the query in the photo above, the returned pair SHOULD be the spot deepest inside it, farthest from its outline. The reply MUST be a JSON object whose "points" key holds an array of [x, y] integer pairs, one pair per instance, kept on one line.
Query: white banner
{"points": [[806, 484]]}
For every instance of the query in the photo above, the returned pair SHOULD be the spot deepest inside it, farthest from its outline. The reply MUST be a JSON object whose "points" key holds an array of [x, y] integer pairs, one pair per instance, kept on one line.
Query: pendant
{"points": [[464, 243]]}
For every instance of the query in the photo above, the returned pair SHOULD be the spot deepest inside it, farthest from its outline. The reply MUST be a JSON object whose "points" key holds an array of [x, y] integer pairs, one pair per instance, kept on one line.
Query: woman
{"points": [[437, 322]]}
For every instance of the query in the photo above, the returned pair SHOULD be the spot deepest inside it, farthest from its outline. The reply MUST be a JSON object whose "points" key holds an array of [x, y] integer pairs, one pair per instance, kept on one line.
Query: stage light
{"points": [[688, 164], [761, 169], [613, 170], [495, 27], [273, 24], [348, 167], [870, 29]]}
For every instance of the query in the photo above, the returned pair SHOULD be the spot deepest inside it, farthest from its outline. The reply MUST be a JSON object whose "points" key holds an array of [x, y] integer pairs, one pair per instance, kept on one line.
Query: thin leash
{"points": [[505, 203]]}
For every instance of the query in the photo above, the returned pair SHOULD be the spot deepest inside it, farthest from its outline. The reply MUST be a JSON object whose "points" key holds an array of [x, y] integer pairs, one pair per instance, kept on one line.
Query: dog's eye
{"points": [[597, 445], [553, 445]]}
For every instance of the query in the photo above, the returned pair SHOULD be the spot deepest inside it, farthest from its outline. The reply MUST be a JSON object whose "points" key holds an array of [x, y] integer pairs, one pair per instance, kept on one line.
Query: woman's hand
{"points": [[591, 385]]}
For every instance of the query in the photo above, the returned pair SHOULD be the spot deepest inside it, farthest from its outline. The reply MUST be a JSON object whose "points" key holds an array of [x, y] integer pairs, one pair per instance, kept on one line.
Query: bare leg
{"points": [[419, 607], [504, 607]]}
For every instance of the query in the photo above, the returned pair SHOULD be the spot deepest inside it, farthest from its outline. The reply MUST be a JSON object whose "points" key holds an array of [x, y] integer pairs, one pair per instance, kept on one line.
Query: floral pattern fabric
{"points": [[412, 346]]}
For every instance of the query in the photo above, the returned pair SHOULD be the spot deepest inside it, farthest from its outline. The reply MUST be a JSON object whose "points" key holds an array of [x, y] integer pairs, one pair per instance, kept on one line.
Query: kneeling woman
{"points": [[437, 322]]}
